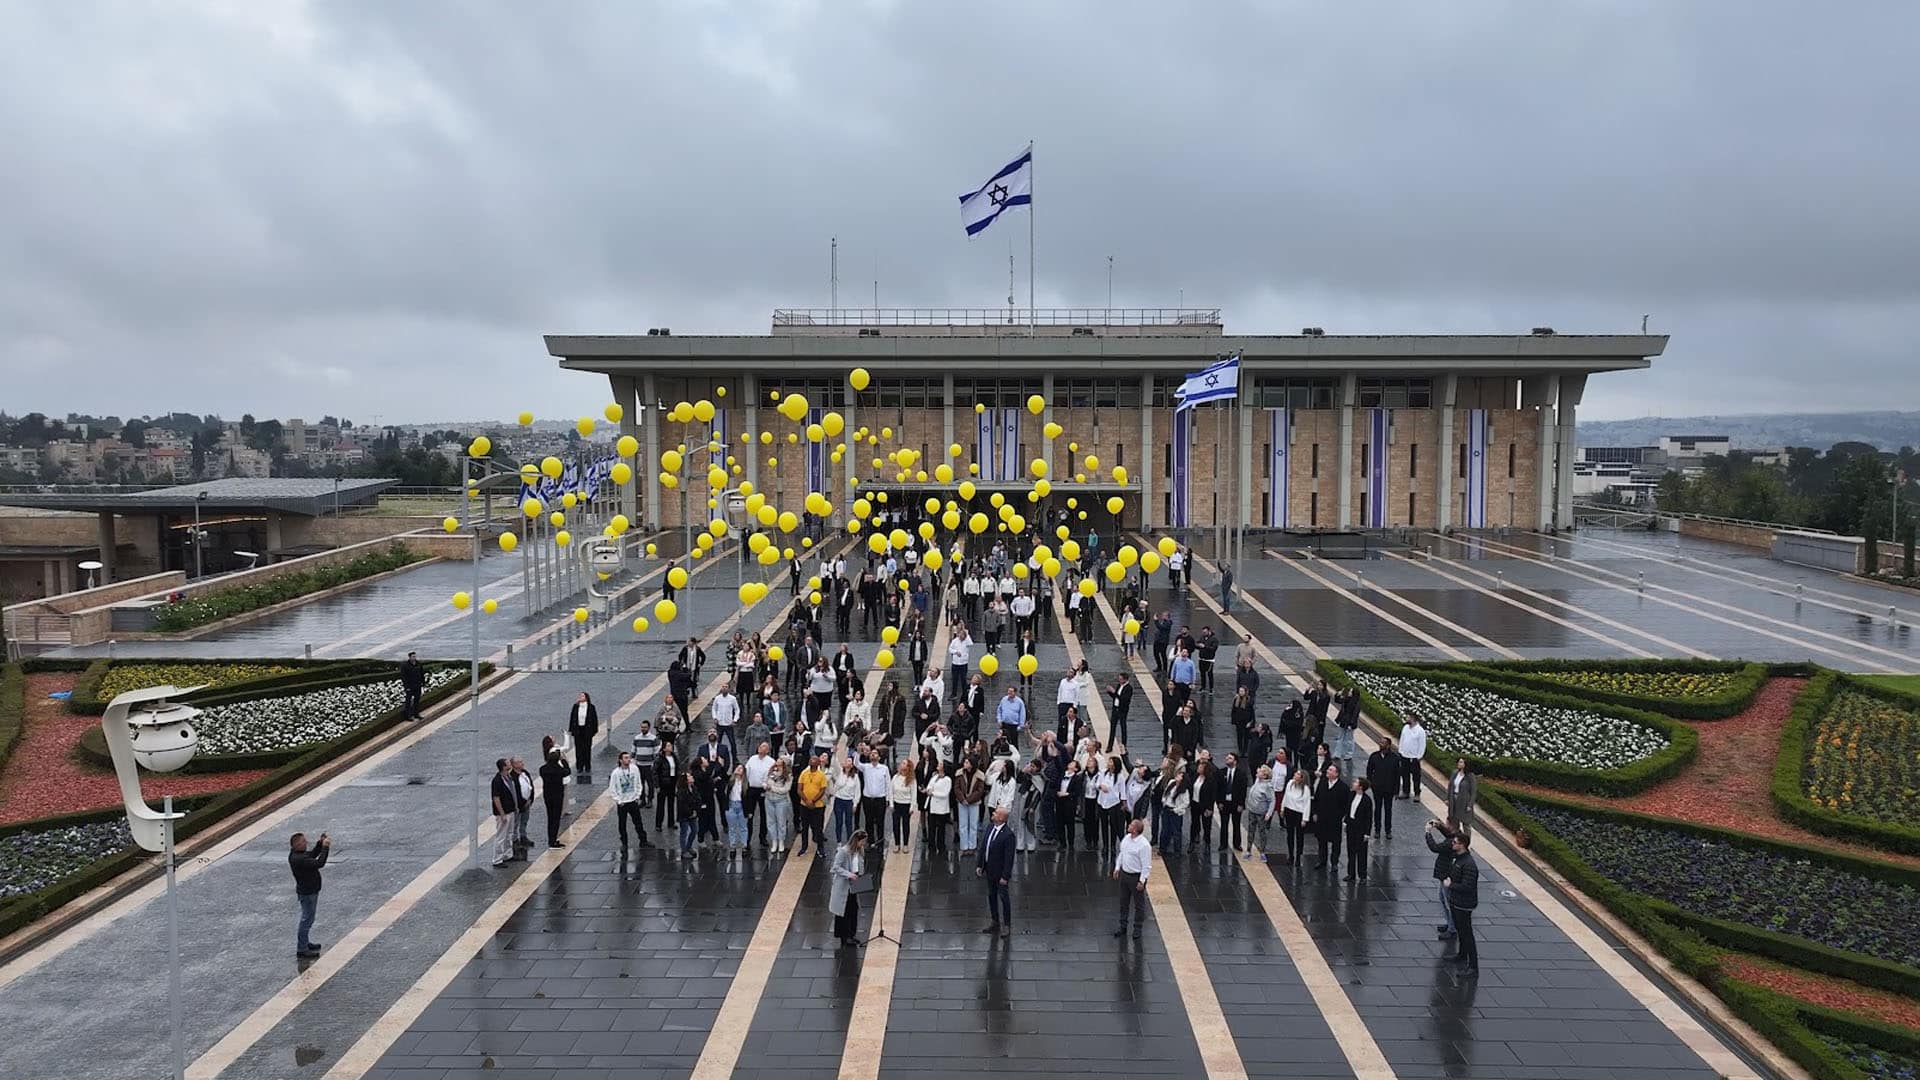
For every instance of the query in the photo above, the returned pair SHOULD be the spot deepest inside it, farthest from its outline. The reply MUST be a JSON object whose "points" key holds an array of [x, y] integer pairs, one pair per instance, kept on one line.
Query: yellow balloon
{"points": [[1020, 571], [489, 605], [1072, 502], [1149, 561], [614, 413], [833, 424], [1131, 626], [977, 524], [1041, 489], [772, 462], [766, 438], [584, 426], [989, 664], [703, 411], [508, 541], [551, 468], [933, 558], [973, 468], [640, 625], [450, 523], [481, 446], [1116, 504], [569, 500], [1087, 587], [979, 407], [788, 521], [899, 539], [1119, 474], [816, 433], [1079, 478], [925, 530], [886, 433], [997, 500], [1037, 467], [526, 419], [967, 490], [622, 473], [1052, 430], [1051, 568], [943, 472], [670, 461], [1093, 463], [767, 515], [665, 610], [794, 408], [580, 614], [1070, 549], [556, 519], [1016, 524], [1116, 573], [813, 597], [719, 391], [1029, 664], [717, 528], [462, 601], [563, 538], [1167, 546], [653, 549], [859, 379], [1036, 404], [776, 654], [769, 556], [1128, 555], [677, 577], [883, 659], [950, 520], [669, 481]]}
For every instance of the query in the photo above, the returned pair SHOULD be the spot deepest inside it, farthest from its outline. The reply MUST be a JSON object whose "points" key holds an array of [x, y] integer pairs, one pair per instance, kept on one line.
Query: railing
{"points": [[1097, 316], [1710, 519]]}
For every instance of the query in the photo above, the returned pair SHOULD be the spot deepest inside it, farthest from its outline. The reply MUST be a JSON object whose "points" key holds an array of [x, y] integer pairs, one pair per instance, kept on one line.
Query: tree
{"points": [[134, 433]]}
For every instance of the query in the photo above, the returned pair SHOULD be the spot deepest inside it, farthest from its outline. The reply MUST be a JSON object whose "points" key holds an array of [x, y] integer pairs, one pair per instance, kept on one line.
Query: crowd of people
{"points": [[791, 756]]}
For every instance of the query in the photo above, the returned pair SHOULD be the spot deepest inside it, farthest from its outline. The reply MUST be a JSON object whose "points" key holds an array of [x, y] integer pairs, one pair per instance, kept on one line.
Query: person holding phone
{"points": [[306, 861]]}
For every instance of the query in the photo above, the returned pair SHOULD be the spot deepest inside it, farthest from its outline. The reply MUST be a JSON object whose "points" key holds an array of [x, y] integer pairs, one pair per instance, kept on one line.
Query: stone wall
{"points": [[1752, 536]]}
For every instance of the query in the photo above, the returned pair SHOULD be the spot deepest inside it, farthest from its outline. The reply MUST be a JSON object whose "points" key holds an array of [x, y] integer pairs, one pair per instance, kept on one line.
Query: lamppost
{"points": [[159, 734], [199, 567]]}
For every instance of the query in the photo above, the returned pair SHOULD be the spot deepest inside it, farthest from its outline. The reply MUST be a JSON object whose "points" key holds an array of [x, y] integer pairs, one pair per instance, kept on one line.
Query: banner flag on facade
{"points": [[1011, 186], [1478, 432], [1280, 434], [983, 441], [1380, 422], [1217, 382], [1010, 467], [1182, 467]]}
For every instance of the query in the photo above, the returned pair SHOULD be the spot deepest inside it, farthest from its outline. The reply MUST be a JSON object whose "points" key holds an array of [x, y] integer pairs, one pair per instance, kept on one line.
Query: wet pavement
{"points": [[619, 970]]}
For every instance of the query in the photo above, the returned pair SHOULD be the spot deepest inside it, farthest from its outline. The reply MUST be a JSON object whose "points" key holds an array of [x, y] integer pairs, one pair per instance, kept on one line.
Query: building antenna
{"points": [[833, 277], [1643, 323], [1010, 280]]}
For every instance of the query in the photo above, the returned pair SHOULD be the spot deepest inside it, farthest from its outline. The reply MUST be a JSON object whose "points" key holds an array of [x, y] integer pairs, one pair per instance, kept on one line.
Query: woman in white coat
{"points": [[849, 862]]}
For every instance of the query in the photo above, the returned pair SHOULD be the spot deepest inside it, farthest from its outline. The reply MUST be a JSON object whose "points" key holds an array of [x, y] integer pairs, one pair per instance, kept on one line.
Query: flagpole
{"points": [[1032, 316]]}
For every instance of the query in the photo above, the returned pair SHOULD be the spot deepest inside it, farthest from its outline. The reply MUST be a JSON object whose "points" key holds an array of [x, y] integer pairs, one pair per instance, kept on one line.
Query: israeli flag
{"points": [[1010, 187], [1216, 383]]}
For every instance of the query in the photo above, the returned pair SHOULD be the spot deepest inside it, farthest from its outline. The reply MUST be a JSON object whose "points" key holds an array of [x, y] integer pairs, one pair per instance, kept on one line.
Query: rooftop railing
{"points": [[1009, 317]]}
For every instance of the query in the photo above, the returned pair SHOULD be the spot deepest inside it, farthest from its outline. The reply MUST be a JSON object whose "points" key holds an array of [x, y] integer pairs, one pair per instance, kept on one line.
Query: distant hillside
{"points": [[1887, 430]]}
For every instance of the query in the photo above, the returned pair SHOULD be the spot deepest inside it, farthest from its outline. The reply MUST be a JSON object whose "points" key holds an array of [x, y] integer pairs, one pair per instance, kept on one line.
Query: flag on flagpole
{"points": [[1010, 187], [1215, 383]]}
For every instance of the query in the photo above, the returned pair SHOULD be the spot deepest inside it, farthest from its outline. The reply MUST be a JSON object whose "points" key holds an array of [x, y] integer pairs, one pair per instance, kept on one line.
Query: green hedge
{"points": [[1861, 1029], [218, 604], [1749, 678], [206, 812], [1682, 741], [1784, 1021], [1794, 951], [93, 743], [1790, 768]]}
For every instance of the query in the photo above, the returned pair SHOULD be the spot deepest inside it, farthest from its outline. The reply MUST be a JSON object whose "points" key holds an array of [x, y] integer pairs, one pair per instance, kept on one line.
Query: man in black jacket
{"points": [[995, 863], [1235, 779], [413, 682], [1359, 820], [1383, 774], [1119, 702], [553, 791], [306, 864], [583, 723], [1439, 840], [843, 606], [1463, 895]]}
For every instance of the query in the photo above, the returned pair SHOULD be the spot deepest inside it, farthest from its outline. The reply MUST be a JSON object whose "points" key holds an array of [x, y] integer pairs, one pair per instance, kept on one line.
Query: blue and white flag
{"points": [[1216, 383], [1010, 187]]}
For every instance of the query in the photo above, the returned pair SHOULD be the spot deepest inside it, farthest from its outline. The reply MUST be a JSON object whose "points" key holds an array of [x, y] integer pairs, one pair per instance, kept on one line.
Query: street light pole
{"points": [[174, 996], [199, 566]]}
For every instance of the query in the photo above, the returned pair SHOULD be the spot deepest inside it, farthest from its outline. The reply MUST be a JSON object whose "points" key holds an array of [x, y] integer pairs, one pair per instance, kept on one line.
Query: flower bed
{"points": [[1775, 888], [265, 725], [33, 859], [120, 678], [218, 604], [1873, 1061], [1685, 689], [1847, 767], [1865, 758]]}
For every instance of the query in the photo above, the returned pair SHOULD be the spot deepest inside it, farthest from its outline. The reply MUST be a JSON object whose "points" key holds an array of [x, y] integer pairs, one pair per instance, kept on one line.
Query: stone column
{"points": [[106, 549], [946, 419], [1572, 387], [1046, 417], [1543, 469], [649, 415], [275, 540], [1143, 464], [626, 392], [750, 386], [1349, 390], [1449, 456]]}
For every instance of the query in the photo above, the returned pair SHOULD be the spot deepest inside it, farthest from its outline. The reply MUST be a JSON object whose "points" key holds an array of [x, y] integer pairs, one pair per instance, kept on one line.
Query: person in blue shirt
{"points": [[1180, 677], [1012, 715]]}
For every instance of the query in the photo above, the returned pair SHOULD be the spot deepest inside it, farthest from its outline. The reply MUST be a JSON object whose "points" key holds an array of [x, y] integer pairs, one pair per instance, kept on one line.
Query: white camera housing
{"points": [[163, 735]]}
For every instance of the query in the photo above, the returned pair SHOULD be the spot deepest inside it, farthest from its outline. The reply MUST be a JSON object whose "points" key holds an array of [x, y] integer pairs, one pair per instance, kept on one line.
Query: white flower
{"points": [[1466, 720], [293, 720]]}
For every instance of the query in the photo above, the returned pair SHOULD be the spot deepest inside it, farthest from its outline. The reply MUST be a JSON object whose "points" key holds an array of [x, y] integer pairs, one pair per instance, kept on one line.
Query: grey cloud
{"points": [[398, 196]]}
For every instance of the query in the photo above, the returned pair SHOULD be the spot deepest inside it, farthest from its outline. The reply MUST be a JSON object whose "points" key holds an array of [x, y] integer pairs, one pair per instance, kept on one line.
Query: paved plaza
{"points": [[589, 962]]}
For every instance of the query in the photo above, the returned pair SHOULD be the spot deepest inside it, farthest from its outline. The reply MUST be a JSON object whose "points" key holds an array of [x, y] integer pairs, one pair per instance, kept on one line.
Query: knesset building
{"points": [[1330, 431]]}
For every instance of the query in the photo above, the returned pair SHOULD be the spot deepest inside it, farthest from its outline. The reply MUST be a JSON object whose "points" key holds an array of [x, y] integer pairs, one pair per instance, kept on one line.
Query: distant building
{"points": [[1624, 455], [24, 459], [1696, 446]]}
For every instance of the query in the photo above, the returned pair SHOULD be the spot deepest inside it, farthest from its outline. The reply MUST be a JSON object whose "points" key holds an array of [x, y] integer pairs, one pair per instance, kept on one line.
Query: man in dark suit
{"points": [[413, 682], [1119, 701], [1235, 779], [583, 723], [975, 702], [995, 863], [1359, 826], [843, 606]]}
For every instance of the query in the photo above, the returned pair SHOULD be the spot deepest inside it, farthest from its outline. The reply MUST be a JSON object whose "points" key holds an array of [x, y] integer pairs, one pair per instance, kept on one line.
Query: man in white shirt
{"points": [[1413, 747], [726, 712], [876, 781], [1023, 611], [959, 658], [1176, 565], [934, 685], [1132, 866], [753, 799], [1066, 697]]}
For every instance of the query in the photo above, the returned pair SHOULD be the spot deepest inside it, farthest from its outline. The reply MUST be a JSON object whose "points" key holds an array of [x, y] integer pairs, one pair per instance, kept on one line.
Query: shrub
{"points": [[219, 604], [1798, 782]]}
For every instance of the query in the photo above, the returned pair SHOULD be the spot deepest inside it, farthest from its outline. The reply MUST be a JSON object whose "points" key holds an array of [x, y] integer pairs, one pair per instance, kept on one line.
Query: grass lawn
{"points": [[1908, 683]]}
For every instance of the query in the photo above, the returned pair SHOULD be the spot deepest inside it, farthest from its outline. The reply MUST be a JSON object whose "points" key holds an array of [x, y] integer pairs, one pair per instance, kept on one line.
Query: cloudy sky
{"points": [[376, 209]]}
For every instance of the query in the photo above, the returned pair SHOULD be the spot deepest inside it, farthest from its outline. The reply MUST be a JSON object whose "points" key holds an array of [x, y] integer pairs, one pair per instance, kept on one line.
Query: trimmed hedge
{"points": [[1786, 1022], [1790, 768], [1682, 741], [206, 812], [93, 744], [1793, 950], [1749, 678], [218, 604]]}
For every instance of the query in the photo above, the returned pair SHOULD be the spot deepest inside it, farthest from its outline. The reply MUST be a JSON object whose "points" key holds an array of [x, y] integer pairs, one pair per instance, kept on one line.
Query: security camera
{"points": [[163, 735]]}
